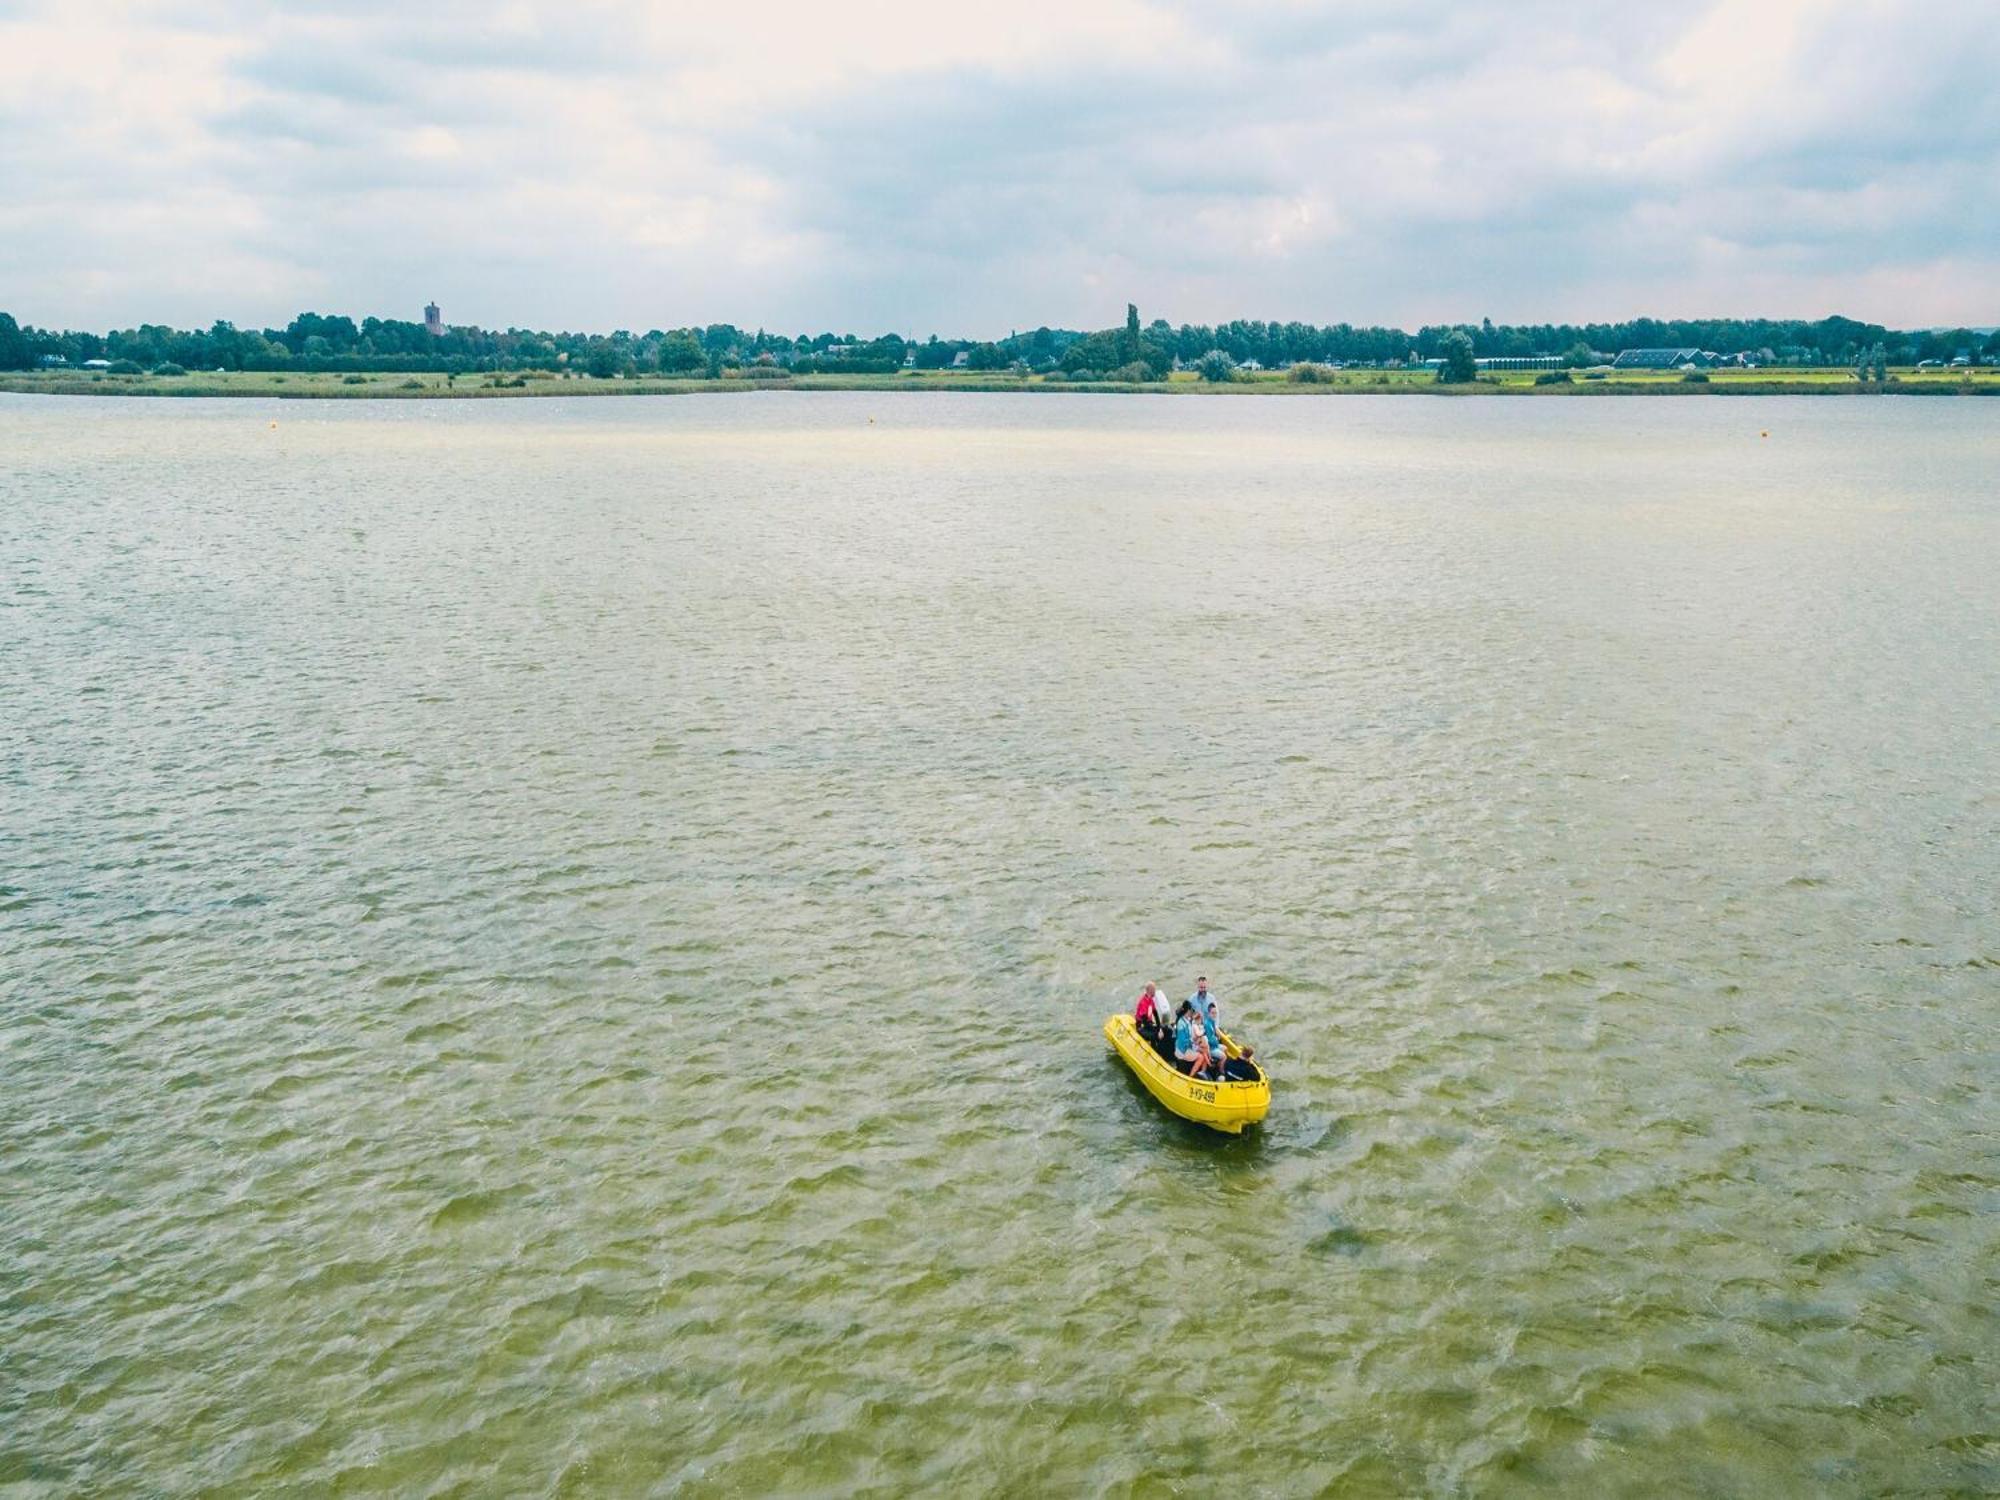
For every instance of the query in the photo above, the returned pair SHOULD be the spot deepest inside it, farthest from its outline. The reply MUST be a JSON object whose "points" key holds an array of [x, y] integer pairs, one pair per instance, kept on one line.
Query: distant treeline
{"points": [[313, 341]]}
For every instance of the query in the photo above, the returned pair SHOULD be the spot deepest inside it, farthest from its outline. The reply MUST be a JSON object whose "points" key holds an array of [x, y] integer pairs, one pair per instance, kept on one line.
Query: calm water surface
{"points": [[557, 947]]}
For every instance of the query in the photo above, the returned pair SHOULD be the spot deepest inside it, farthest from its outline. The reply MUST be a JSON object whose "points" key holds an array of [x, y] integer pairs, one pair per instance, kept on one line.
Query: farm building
{"points": [[1666, 359]]}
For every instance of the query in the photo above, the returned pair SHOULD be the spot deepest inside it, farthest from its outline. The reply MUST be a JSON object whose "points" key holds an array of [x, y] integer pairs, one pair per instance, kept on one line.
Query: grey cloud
{"points": [[988, 172], [567, 52], [1362, 161], [315, 70]]}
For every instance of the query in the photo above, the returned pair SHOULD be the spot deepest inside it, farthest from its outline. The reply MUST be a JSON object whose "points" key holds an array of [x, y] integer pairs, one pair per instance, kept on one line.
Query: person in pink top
{"points": [[1146, 1014]]}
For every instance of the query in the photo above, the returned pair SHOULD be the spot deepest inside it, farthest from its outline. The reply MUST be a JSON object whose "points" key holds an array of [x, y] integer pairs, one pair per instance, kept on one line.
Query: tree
{"points": [[1094, 351], [1216, 366], [1459, 366], [1109, 349], [679, 352], [1129, 350], [14, 351], [1580, 354], [225, 346], [605, 360], [336, 334]]}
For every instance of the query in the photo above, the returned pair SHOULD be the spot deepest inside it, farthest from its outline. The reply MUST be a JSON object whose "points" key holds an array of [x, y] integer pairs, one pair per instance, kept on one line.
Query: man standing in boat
{"points": [[1203, 1002]]}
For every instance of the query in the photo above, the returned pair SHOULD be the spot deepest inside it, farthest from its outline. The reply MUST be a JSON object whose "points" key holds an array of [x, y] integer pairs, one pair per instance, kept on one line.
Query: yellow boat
{"points": [[1227, 1106]]}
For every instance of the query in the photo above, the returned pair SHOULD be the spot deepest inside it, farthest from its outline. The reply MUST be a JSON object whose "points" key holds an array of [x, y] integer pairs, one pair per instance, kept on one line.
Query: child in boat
{"points": [[1212, 1034], [1203, 1063]]}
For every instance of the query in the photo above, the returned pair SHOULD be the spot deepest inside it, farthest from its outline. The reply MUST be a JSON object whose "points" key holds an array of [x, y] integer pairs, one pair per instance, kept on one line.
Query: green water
{"points": [[558, 948]]}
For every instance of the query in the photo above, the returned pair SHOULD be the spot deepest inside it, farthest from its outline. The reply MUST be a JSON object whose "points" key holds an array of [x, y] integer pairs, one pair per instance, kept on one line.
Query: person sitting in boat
{"points": [[1185, 1034], [1242, 1068], [1146, 1014], [1212, 1034], [1207, 1059]]}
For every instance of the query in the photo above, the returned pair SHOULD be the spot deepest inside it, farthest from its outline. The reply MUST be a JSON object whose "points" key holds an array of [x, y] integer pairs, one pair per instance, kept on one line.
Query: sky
{"points": [[972, 169]]}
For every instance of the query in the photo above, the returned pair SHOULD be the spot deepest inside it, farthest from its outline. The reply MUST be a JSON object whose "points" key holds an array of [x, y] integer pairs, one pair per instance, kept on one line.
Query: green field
{"points": [[398, 386]]}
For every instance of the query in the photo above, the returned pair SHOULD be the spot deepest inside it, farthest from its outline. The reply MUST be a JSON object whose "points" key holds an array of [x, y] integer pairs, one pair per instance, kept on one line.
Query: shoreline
{"points": [[320, 386]]}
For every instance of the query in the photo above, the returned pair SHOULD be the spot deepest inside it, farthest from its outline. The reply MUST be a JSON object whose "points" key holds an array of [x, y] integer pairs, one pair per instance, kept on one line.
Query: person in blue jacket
{"points": [[1208, 1017], [1184, 1048], [1217, 1057], [1202, 1001]]}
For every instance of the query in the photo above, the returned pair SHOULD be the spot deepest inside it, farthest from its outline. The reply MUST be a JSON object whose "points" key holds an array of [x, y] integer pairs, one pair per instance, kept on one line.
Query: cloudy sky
{"points": [[964, 168]]}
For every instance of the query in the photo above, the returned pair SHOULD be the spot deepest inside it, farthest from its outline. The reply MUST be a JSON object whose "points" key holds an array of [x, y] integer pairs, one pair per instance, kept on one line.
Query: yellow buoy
{"points": [[1763, 434]]}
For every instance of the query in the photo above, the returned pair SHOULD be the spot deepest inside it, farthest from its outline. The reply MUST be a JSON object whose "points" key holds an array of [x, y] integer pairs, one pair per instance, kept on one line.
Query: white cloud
{"points": [[909, 165]]}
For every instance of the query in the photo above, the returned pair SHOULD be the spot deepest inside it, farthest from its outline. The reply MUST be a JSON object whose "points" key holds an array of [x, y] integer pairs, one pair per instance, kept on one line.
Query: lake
{"points": [[558, 947]]}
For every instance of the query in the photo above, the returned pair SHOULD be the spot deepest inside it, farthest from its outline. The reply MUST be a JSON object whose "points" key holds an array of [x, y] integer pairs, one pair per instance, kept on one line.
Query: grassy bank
{"points": [[327, 386]]}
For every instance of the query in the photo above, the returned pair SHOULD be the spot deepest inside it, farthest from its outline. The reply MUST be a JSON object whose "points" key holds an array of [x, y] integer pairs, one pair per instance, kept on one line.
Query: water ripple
{"points": [[556, 948]]}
